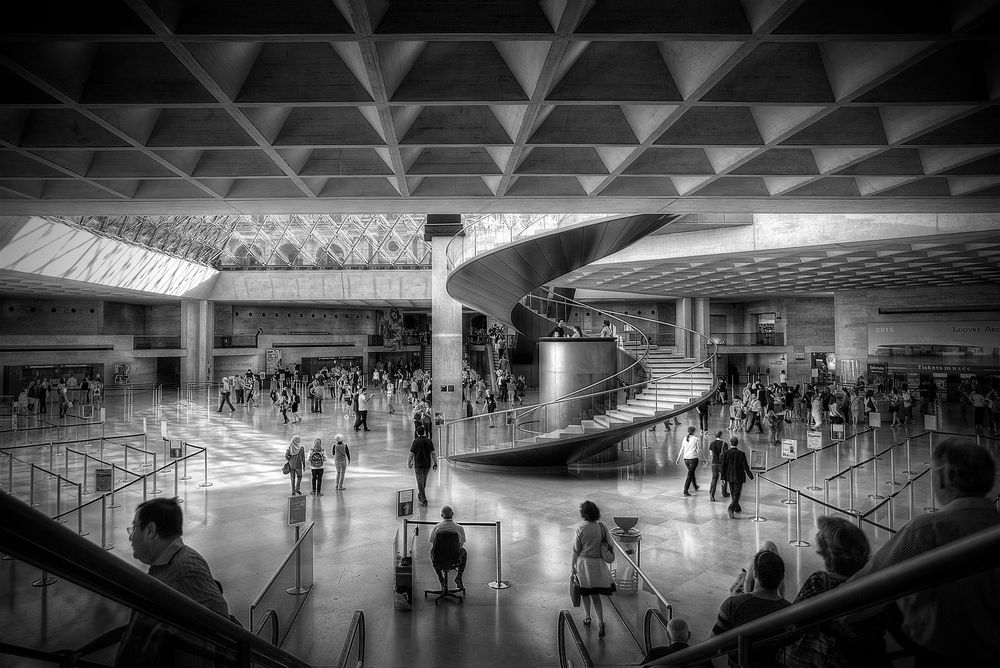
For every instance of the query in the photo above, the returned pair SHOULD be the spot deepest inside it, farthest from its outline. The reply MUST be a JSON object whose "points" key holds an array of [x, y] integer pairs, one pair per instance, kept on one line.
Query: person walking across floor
{"points": [[296, 459], [422, 460], [224, 390], [717, 448], [690, 452], [341, 458], [735, 471], [316, 459], [363, 399], [588, 565]]}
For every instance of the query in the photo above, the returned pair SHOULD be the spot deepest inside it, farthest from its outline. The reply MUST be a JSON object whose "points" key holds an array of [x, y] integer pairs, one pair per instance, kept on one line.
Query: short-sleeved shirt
{"points": [[717, 447], [743, 608], [448, 526], [423, 452]]}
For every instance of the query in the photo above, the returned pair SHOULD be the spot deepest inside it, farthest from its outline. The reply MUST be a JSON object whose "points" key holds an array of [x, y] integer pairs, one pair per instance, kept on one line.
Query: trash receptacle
{"points": [[624, 575], [403, 584]]}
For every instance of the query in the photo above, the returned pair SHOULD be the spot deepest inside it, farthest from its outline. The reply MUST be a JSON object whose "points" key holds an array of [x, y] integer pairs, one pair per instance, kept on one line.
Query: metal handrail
{"points": [[647, 625], [33, 538], [356, 632], [522, 413], [270, 617], [566, 621], [961, 558], [293, 551]]}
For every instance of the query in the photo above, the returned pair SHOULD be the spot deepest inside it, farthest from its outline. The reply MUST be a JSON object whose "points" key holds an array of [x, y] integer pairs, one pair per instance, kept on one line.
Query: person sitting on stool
{"points": [[449, 525]]}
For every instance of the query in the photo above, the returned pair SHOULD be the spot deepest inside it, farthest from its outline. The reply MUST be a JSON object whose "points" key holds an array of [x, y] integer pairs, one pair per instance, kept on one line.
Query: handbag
{"points": [[286, 469], [574, 590], [607, 552]]}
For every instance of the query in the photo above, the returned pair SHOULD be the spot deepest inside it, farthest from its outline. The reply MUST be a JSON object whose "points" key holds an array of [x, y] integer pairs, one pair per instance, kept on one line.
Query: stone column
{"points": [[702, 325], [684, 318], [446, 320], [198, 338]]}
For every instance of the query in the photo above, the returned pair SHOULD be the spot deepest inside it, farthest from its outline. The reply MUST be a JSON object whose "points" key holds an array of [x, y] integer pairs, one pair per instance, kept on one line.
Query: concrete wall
{"points": [[274, 319], [31, 316]]}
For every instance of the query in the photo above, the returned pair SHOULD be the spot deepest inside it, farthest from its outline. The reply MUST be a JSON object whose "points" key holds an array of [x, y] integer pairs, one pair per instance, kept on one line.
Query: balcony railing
{"points": [[749, 338], [156, 342]]}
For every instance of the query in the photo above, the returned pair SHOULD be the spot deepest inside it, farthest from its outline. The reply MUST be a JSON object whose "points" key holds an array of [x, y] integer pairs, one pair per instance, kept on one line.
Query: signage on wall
{"points": [[123, 374], [981, 337], [272, 361]]}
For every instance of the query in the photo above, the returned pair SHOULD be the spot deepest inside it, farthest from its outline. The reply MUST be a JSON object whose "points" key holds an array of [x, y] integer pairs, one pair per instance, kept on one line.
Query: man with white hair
{"points": [[449, 525]]}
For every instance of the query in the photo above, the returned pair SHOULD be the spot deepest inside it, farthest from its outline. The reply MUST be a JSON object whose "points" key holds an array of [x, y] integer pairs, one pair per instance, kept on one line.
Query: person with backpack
{"points": [[316, 459], [341, 458]]}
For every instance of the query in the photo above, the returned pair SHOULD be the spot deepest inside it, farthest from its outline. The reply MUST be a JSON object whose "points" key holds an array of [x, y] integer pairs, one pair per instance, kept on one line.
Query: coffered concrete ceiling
{"points": [[222, 106]]}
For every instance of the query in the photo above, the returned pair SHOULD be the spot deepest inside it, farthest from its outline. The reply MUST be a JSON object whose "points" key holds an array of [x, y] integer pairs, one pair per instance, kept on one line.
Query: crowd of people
{"points": [[950, 624], [65, 391]]}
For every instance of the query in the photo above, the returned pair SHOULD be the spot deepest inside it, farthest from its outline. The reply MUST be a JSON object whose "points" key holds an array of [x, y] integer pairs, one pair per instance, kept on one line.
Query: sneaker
{"points": [[319, 493]]}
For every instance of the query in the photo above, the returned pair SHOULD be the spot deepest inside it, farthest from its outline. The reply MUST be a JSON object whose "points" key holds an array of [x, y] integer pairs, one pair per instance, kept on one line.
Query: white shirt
{"points": [[690, 448]]}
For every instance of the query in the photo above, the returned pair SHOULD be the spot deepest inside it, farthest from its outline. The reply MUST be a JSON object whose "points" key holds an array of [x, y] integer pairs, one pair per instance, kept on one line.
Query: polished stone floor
{"points": [[690, 549]]}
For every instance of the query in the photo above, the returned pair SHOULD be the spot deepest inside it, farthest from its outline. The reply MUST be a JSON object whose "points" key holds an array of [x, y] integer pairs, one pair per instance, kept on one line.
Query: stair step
{"points": [[571, 430], [610, 421], [590, 426], [638, 409], [623, 416]]}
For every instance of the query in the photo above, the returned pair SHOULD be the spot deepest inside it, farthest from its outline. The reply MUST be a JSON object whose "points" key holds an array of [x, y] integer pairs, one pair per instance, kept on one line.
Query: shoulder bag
{"points": [[607, 552]]}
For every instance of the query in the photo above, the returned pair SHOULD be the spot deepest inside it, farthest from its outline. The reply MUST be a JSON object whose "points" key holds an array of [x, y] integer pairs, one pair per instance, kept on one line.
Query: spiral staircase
{"points": [[653, 383]]}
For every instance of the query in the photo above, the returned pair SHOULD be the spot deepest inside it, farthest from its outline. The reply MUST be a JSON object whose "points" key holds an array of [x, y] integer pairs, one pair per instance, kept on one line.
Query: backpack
{"points": [[316, 458]]}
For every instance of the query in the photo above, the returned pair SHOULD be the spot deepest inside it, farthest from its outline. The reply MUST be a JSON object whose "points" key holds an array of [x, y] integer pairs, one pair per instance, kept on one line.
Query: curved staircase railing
{"points": [[645, 392], [496, 275]]}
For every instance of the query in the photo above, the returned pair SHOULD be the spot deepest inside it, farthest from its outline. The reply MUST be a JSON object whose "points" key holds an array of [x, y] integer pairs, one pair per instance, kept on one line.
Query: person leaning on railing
{"points": [[955, 623]]}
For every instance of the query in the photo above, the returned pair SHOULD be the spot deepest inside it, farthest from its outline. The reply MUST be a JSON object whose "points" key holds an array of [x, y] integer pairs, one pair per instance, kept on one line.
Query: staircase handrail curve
{"points": [[462, 238], [521, 413], [29, 536], [955, 560], [576, 394], [566, 621]]}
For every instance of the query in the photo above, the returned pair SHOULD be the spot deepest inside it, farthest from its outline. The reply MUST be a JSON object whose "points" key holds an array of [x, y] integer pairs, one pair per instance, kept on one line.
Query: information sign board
{"points": [[837, 430], [296, 510], [789, 448], [758, 460], [814, 440], [102, 480], [404, 502]]}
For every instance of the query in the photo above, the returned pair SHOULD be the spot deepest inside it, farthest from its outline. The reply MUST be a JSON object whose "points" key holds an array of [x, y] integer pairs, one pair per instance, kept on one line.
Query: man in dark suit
{"points": [[735, 471]]}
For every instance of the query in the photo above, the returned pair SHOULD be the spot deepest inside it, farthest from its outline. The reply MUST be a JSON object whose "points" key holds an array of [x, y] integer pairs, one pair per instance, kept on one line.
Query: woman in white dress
{"points": [[590, 569]]}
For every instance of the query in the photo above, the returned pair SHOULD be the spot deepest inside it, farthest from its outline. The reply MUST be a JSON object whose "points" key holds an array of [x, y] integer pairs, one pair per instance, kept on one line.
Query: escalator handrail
{"points": [[566, 622], [647, 625], [355, 631], [966, 556], [28, 535]]}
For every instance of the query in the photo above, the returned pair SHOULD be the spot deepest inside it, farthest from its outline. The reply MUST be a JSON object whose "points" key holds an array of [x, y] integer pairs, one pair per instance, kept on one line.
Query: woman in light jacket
{"points": [[588, 566]]}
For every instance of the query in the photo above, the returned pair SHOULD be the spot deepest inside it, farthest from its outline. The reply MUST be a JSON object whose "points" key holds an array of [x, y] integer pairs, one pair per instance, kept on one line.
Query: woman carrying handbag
{"points": [[592, 552]]}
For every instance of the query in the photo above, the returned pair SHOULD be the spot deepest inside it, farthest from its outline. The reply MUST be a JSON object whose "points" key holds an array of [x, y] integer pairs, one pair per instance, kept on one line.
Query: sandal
{"points": [[586, 621]]}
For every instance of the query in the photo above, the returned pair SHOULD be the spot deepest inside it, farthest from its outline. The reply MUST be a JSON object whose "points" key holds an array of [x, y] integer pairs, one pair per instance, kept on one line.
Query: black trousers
{"points": [[716, 474], [317, 480], [691, 465], [735, 489]]}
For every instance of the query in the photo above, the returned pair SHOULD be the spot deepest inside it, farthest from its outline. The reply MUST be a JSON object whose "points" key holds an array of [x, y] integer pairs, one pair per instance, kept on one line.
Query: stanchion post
{"points": [[204, 451], [155, 491], [798, 542], [756, 501], [892, 511], [51, 461], [931, 508], [909, 468], [85, 458], [79, 511], [179, 499], [910, 508], [43, 581], [59, 480], [145, 488], [500, 583], [851, 509], [184, 445], [857, 461], [892, 467], [104, 523], [789, 501], [875, 495], [814, 487]]}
